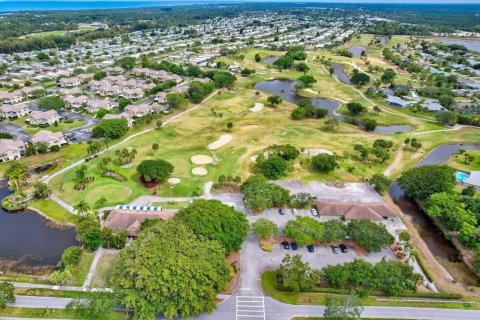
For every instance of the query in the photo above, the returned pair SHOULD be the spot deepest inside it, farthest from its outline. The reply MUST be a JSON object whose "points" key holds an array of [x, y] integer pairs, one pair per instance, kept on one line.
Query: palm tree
{"points": [[81, 172], [81, 207]]}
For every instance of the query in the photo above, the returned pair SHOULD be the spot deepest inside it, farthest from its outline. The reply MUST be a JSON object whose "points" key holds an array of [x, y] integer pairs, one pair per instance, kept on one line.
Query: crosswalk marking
{"points": [[250, 307]]}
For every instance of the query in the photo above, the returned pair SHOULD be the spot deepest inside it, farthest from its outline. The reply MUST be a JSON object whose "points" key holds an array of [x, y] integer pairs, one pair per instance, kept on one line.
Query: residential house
{"points": [[398, 102], [161, 97], [138, 110], [75, 102], [432, 106], [132, 94], [14, 111], [93, 105], [11, 149], [28, 91], [122, 115], [49, 138], [69, 91], [11, 97], [44, 117], [70, 82]]}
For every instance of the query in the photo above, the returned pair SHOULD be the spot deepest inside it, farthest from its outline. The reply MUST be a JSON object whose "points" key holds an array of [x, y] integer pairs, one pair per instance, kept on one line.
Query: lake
{"points": [[28, 239], [473, 45], [357, 51], [286, 89]]}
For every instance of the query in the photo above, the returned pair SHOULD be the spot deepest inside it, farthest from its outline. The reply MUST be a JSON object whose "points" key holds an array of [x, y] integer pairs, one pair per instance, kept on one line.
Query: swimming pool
{"points": [[461, 176]]}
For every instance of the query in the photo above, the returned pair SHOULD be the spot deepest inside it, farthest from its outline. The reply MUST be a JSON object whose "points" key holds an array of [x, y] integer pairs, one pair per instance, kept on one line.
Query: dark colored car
{"points": [[343, 248], [310, 248], [285, 245], [335, 249], [294, 245], [281, 211]]}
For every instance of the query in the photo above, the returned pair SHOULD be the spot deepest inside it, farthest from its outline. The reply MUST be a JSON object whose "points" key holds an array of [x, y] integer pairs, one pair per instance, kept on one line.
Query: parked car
{"points": [[285, 245], [343, 248], [335, 249], [281, 211], [310, 248], [294, 211], [294, 245], [314, 212]]}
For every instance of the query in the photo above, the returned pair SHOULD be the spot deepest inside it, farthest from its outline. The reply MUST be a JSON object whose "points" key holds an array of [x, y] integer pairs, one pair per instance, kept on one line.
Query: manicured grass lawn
{"points": [[40, 292], [48, 313], [61, 126], [54, 211], [46, 34], [102, 272], [457, 161], [269, 283], [81, 269]]}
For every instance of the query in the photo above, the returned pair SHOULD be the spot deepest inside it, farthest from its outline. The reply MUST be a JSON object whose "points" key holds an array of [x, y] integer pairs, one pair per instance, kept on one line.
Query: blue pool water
{"points": [[461, 175]]}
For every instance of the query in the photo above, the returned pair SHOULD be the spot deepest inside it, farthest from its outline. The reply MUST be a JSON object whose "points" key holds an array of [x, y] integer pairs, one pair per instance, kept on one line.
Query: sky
{"points": [[306, 1]]}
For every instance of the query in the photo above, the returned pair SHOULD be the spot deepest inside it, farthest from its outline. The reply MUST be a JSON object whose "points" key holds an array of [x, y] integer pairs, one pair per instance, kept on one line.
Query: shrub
{"points": [[324, 162]]}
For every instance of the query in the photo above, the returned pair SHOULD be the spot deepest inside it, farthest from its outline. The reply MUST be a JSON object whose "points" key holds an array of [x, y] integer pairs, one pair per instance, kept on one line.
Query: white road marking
{"points": [[250, 307]]}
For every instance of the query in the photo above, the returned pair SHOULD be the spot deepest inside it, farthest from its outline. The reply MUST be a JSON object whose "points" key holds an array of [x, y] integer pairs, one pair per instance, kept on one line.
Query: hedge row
{"points": [[422, 265]]}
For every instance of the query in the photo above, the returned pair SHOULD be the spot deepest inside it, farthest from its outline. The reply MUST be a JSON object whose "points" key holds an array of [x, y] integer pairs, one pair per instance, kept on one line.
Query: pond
{"points": [[473, 45], [286, 89], [383, 40], [27, 239], [432, 236], [338, 71], [270, 60], [357, 51]]}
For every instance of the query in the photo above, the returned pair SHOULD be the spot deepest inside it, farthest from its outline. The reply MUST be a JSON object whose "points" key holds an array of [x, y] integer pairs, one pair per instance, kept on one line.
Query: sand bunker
{"points": [[223, 140], [314, 152], [248, 127], [253, 158], [257, 107], [174, 180], [200, 171], [201, 159]]}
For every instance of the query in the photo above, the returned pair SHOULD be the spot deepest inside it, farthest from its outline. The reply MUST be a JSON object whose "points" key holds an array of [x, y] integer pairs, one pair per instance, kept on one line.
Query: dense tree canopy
{"points": [[51, 103], [304, 230], [170, 270], [324, 162], [371, 236], [264, 228], [111, 128], [216, 221], [421, 182], [258, 194], [155, 170]]}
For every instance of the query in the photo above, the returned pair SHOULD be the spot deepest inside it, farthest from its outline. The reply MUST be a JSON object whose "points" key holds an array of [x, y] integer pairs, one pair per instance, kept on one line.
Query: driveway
{"points": [[82, 133], [15, 130]]}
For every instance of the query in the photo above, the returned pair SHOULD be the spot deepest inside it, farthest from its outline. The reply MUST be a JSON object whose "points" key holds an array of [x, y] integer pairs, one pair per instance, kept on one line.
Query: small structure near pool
{"points": [[473, 179]]}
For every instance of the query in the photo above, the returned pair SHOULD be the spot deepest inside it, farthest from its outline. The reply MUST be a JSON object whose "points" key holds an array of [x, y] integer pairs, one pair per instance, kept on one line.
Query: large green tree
{"points": [[216, 221], [296, 274], [52, 102], [421, 182], [7, 294], [260, 195], [155, 170], [324, 162], [304, 230], [111, 128], [93, 305], [170, 270], [371, 236], [264, 228]]}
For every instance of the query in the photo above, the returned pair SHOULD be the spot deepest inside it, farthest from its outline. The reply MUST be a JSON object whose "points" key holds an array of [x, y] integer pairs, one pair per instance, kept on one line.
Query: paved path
{"points": [[395, 163], [91, 272]]}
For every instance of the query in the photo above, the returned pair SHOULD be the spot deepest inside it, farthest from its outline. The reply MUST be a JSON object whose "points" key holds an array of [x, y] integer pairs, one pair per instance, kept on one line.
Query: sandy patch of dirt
{"points": [[199, 171], [223, 140], [174, 180], [258, 107], [314, 152], [248, 127], [201, 159]]}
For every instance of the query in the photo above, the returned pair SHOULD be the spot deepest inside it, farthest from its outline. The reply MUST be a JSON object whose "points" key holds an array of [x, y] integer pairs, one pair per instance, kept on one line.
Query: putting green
{"points": [[181, 165], [112, 192]]}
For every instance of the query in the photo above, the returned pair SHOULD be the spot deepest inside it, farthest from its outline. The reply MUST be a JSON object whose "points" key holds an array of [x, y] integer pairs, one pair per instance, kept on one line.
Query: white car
{"points": [[294, 211], [314, 212]]}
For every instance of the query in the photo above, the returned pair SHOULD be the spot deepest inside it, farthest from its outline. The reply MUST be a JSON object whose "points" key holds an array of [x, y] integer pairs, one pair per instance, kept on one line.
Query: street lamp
{"points": [[171, 188]]}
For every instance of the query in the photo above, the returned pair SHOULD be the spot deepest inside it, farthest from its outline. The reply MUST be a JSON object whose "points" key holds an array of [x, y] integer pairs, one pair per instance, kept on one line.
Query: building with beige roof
{"points": [[14, 111], [49, 138], [11, 149], [375, 211], [44, 117]]}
